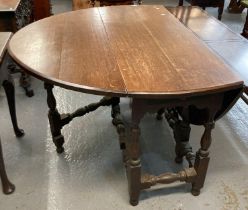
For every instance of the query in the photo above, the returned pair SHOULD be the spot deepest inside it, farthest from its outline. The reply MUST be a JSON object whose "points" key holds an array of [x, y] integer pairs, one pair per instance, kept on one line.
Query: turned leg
{"points": [[181, 134], [54, 119], [9, 88], [134, 166], [8, 187], [118, 122], [202, 159]]}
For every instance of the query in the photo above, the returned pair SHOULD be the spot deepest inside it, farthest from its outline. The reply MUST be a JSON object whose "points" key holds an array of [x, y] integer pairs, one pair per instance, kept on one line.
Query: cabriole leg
{"points": [[9, 88], [8, 187]]}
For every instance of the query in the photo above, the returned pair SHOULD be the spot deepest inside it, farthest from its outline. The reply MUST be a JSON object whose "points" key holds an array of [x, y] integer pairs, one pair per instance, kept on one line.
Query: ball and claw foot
{"points": [[9, 189], [19, 133], [195, 192], [134, 202]]}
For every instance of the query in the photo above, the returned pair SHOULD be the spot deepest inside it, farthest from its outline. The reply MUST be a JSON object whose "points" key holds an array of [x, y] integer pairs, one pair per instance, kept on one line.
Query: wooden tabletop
{"points": [[9, 5], [123, 50]]}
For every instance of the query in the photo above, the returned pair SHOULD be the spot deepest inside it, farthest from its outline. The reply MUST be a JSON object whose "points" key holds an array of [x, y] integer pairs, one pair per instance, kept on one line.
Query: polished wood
{"points": [[129, 76], [207, 3], [42, 9], [7, 82], [141, 56]]}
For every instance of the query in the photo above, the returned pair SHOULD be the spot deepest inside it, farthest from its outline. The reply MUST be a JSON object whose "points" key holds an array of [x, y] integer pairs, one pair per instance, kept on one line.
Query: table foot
{"points": [[195, 192]]}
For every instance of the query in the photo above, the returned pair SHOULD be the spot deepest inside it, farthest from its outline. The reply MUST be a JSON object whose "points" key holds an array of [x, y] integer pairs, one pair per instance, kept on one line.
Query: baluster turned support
{"points": [[54, 119], [202, 159]]}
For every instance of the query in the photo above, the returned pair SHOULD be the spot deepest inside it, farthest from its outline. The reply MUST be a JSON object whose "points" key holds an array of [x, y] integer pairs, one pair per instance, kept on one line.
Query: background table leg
{"points": [[8, 187]]}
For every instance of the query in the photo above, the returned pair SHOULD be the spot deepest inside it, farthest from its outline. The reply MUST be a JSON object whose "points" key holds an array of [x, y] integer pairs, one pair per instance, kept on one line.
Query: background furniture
{"points": [[82, 4], [42, 9], [244, 33], [207, 3], [14, 15], [149, 67], [235, 6], [7, 82]]}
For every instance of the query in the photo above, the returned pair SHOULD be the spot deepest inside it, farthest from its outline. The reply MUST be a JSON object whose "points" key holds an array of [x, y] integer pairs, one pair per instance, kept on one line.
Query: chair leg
{"points": [[8, 187]]}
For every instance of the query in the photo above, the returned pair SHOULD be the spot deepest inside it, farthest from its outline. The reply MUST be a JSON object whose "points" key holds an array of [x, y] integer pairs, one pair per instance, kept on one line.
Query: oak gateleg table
{"points": [[140, 52]]}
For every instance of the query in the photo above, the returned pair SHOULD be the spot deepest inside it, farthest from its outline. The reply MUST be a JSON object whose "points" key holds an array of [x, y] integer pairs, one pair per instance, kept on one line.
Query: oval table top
{"points": [[136, 51]]}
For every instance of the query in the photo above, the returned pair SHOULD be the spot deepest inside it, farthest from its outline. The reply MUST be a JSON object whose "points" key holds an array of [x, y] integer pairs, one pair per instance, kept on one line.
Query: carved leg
{"points": [[202, 159], [10, 93], [54, 119], [134, 166], [8, 187], [181, 131], [160, 114], [181, 134]]}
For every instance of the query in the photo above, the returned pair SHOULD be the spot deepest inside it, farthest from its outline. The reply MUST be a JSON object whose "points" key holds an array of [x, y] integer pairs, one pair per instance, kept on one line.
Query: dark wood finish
{"points": [[14, 15], [7, 82], [207, 3], [235, 7], [139, 56], [42, 9], [245, 29], [8, 187]]}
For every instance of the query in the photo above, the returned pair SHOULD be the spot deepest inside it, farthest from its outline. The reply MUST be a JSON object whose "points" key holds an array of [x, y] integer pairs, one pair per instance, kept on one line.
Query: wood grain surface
{"points": [[124, 50], [8, 5]]}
